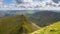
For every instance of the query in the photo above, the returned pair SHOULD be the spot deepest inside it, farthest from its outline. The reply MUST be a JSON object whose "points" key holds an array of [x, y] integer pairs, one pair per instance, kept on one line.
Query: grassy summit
{"points": [[52, 29], [16, 25]]}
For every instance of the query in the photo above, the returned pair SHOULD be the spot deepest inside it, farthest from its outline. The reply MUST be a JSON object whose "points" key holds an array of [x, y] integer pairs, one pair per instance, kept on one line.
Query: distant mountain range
{"points": [[41, 18], [15, 12]]}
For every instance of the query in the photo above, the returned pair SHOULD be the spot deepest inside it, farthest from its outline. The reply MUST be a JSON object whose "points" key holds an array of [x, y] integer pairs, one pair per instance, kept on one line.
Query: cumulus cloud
{"points": [[56, 1], [1, 3], [30, 4]]}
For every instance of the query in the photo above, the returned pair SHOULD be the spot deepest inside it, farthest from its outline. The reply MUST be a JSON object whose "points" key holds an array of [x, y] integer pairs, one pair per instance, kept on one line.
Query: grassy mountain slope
{"points": [[44, 18], [7, 24], [51, 29], [16, 25]]}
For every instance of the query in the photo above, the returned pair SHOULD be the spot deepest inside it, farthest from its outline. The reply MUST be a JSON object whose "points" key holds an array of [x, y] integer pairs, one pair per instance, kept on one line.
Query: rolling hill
{"points": [[17, 24], [51, 29], [44, 18]]}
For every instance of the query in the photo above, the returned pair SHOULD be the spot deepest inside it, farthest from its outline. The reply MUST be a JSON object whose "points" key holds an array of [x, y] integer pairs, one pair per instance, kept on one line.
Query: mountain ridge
{"points": [[16, 25], [44, 18], [50, 29]]}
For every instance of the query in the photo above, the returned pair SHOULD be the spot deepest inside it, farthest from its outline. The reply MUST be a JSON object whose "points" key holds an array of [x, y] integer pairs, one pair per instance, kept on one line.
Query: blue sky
{"points": [[8, 2], [18, 1]]}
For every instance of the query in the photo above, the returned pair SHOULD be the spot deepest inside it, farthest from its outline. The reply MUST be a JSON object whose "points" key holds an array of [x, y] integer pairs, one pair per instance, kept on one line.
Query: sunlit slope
{"points": [[16, 25], [52, 29]]}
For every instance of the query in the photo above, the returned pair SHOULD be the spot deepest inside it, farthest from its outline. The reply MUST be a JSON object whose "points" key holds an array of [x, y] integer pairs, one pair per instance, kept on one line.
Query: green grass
{"points": [[13, 24], [7, 24], [51, 29]]}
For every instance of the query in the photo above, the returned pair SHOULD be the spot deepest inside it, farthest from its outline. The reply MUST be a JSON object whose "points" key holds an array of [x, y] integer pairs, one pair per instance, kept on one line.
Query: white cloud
{"points": [[27, 1], [1, 3], [31, 4]]}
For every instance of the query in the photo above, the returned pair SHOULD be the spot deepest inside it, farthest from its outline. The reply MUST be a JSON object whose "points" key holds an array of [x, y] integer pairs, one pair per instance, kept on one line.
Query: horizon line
{"points": [[46, 8]]}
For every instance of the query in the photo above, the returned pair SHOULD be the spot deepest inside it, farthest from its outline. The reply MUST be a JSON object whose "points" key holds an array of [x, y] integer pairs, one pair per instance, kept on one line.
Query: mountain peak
{"points": [[17, 25]]}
